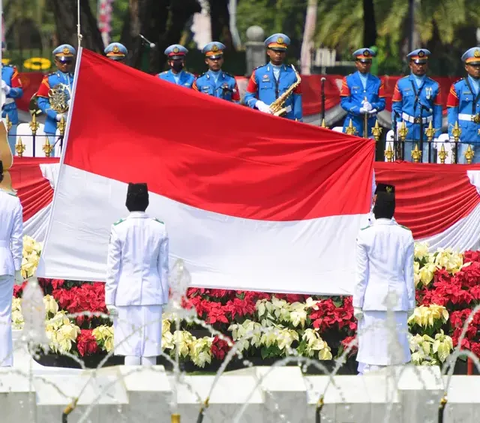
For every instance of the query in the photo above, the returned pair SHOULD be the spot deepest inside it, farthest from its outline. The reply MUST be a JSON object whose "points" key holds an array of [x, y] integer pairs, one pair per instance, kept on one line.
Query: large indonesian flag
{"points": [[250, 201]]}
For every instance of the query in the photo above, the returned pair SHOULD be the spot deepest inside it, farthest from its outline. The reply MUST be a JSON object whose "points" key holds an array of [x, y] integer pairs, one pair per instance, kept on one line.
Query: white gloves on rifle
{"points": [[112, 310], [372, 112], [260, 105], [6, 89], [18, 277], [358, 313], [60, 116], [366, 105]]}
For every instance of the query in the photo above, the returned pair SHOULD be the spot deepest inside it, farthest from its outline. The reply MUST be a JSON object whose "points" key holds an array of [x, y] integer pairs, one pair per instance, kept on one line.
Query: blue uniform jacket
{"points": [[225, 87], [50, 81], [352, 95], [10, 76], [462, 101], [404, 101], [264, 87], [186, 78]]}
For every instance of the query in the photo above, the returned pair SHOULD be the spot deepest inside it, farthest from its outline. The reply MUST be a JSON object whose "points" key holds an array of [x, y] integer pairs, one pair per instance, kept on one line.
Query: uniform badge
{"points": [[176, 50], [66, 50], [116, 49], [421, 53], [476, 53], [280, 40], [215, 47], [366, 53]]}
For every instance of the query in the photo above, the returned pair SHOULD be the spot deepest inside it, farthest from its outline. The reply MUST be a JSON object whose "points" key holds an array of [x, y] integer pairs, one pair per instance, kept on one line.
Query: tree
{"points": [[220, 21], [66, 24], [160, 21]]}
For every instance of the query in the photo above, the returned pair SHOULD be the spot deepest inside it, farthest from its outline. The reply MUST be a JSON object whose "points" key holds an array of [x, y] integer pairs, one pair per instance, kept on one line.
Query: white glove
{"points": [[260, 105], [5, 88], [59, 116], [363, 111], [18, 277], [372, 112], [358, 313], [367, 106], [112, 310]]}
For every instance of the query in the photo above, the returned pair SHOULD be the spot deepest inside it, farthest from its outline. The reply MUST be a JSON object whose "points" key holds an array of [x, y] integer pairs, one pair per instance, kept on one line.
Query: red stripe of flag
{"points": [[210, 154]]}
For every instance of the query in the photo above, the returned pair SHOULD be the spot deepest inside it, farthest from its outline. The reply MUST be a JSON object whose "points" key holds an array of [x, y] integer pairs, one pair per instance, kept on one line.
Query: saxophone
{"points": [[278, 106]]}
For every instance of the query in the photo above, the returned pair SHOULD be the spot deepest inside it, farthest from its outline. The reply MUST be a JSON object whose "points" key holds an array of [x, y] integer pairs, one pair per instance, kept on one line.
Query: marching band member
{"points": [[270, 81], [64, 60], [417, 97], [11, 249], [215, 82], [136, 286], [362, 94], [384, 293], [117, 52], [12, 89], [464, 106], [176, 60]]}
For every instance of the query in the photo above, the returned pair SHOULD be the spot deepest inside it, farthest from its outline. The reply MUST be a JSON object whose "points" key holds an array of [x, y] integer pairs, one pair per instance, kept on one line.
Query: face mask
{"points": [[177, 66]]}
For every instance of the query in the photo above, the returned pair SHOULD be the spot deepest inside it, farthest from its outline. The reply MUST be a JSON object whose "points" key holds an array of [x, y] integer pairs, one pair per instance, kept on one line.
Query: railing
{"points": [[31, 140]]}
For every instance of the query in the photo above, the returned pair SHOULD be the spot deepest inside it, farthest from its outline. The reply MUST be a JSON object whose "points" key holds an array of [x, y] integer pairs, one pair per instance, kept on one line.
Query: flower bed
{"points": [[270, 326]]}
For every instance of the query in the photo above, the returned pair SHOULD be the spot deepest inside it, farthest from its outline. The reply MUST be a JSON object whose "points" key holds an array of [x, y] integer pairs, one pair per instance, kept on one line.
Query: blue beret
{"points": [[63, 51], [278, 41], [175, 50], [116, 51], [472, 56], [364, 54], [214, 49], [420, 55]]}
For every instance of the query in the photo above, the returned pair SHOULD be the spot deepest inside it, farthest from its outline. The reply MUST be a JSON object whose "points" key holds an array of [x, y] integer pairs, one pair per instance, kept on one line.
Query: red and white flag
{"points": [[250, 201]]}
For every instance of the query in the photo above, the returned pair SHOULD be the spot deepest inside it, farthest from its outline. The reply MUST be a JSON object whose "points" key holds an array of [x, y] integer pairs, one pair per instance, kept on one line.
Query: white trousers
{"points": [[138, 331], [6, 294]]}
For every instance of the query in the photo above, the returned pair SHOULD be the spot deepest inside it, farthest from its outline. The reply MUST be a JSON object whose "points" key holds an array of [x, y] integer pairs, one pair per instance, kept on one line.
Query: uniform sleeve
{"points": [[438, 113], [251, 93], [346, 101], [163, 268], [380, 103], [43, 102], [408, 272], [361, 274], [452, 108], [16, 90], [17, 237], [114, 261], [397, 103]]}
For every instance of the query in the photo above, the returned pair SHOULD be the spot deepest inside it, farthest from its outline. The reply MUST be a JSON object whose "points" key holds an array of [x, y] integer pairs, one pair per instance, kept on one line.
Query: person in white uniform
{"points": [[384, 294], [11, 249], [136, 286]]}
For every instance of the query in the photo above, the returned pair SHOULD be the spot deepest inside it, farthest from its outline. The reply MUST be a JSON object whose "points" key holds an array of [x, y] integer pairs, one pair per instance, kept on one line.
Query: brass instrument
{"points": [[59, 98], [278, 106]]}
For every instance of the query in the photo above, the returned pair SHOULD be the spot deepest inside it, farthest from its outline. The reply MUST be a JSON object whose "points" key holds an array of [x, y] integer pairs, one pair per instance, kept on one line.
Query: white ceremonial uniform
{"points": [[11, 250], [137, 283], [384, 267]]}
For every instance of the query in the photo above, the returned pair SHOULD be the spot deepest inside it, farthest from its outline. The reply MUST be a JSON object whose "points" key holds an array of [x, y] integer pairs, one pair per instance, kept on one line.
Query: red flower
{"points": [[86, 343], [220, 348], [18, 289]]}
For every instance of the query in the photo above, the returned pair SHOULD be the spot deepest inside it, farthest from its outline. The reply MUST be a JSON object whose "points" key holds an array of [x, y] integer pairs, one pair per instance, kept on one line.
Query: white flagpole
{"points": [[79, 28], [2, 96]]}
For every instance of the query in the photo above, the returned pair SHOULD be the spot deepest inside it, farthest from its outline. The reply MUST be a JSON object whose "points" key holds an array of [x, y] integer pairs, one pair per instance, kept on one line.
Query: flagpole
{"points": [[79, 28], [2, 96]]}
